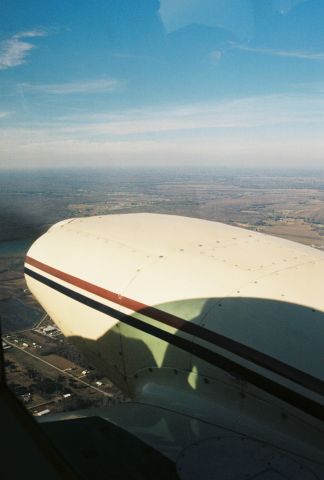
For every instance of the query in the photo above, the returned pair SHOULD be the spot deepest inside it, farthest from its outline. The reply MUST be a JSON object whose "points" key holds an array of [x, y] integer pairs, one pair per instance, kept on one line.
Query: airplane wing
{"points": [[211, 329], [195, 448]]}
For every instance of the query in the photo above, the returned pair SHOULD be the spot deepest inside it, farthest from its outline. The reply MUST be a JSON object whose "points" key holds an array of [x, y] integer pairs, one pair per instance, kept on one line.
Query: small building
{"points": [[5, 345], [84, 372], [66, 395], [25, 345], [49, 330], [43, 412], [99, 384]]}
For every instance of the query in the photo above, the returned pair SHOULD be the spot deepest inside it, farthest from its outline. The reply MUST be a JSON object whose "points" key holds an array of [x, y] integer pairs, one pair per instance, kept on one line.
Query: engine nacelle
{"points": [[163, 304]]}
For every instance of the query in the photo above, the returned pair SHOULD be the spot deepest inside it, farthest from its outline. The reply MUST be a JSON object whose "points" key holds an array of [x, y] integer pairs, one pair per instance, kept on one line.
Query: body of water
{"points": [[15, 248]]}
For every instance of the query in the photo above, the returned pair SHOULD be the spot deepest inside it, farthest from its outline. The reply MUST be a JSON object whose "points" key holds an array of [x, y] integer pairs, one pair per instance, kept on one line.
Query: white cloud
{"points": [[303, 55], [13, 52], [314, 87], [215, 56], [90, 86], [129, 56], [247, 113], [45, 151], [37, 32], [284, 129], [5, 114]]}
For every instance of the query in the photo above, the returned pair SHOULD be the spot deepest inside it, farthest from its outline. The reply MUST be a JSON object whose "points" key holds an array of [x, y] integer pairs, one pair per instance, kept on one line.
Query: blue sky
{"points": [[143, 82]]}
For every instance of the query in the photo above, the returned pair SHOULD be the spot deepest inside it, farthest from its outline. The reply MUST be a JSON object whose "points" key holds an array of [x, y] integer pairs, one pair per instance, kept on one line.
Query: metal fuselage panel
{"points": [[202, 306]]}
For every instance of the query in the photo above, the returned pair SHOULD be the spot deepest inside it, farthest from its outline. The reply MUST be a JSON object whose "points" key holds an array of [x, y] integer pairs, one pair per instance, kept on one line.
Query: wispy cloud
{"points": [[246, 113], [215, 56], [36, 32], [303, 55], [283, 128], [38, 148], [314, 87], [129, 56], [88, 86], [13, 51], [4, 114]]}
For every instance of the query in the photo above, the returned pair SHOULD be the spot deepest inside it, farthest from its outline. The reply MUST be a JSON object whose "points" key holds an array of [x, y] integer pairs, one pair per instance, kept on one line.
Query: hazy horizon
{"points": [[123, 83]]}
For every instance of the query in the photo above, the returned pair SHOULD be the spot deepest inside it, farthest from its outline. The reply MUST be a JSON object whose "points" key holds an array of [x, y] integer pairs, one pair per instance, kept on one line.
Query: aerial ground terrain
{"points": [[42, 368]]}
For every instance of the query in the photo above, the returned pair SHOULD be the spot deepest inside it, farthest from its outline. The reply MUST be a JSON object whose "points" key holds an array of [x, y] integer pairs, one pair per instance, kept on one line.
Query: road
{"points": [[106, 394], [43, 404], [30, 329], [41, 321]]}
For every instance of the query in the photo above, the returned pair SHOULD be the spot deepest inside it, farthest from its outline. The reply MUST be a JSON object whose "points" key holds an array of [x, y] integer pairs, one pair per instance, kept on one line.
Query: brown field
{"points": [[295, 230], [62, 363]]}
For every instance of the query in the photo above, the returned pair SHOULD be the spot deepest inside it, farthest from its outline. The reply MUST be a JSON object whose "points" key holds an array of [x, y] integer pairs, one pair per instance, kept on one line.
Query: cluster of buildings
{"points": [[5, 345], [49, 330]]}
